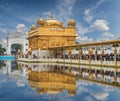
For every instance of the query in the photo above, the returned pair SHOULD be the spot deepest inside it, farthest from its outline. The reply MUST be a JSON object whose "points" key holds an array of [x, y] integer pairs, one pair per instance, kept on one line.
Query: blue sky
{"points": [[96, 19]]}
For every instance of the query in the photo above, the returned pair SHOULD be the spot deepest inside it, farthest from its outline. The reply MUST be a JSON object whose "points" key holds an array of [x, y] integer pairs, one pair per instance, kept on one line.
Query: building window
{"points": [[44, 44], [52, 44], [57, 44]]}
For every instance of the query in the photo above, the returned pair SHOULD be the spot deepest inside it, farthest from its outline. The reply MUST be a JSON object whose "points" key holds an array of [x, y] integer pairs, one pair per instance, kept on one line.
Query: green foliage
{"points": [[77, 42], [16, 46], [2, 64], [2, 50]]}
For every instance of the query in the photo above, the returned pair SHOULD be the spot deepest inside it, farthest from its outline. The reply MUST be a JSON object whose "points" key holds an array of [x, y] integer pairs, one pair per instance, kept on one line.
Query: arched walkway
{"points": [[17, 39], [15, 48]]}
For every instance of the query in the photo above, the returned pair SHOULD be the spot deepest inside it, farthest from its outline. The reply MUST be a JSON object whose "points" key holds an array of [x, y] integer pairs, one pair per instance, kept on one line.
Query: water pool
{"points": [[7, 57]]}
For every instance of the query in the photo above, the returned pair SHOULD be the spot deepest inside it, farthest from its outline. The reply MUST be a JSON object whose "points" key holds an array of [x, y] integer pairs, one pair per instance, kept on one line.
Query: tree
{"points": [[2, 64], [16, 46], [2, 50], [77, 42]]}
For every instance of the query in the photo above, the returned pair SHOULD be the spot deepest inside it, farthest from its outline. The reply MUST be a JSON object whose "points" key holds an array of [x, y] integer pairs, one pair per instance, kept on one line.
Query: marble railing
{"points": [[74, 61]]}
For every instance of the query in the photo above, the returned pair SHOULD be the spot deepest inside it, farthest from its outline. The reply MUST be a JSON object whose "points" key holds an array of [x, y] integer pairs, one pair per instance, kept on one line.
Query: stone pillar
{"points": [[101, 72], [52, 55], [70, 69], [70, 54], [101, 56], [115, 76], [89, 52], [79, 69], [8, 65], [95, 54], [29, 53], [64, 56], [80, 54], [19, 52], [115, 54], [89, 72]]}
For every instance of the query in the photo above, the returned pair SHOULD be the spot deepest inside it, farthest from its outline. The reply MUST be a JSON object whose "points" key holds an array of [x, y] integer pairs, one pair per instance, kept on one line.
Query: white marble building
{"points": [[17, 38]]}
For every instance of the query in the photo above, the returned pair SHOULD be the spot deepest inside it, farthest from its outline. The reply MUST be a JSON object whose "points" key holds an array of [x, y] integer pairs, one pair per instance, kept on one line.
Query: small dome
{"points": [[40, 22], [33, 27], [53, 22], [71, 22]]}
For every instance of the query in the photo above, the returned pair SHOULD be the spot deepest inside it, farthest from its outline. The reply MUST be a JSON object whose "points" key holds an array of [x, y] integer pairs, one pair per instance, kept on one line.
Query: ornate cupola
{"points": [[53, 22], [71, 23], [33, 27], [40, 22]]}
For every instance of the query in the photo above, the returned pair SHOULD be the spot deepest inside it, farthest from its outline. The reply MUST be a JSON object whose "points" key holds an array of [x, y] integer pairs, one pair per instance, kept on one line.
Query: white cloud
{"points": [[29, 19], [2, 30], [108, 34], [46, 15], [108, 89], [66, 6], [81, 89], [83, 39], [101, 96], [88, 98], [65, 9], [81, 29], [101, 25], [20, 27], [79, 83], [88, 15], [2, 80], [100, 2]]}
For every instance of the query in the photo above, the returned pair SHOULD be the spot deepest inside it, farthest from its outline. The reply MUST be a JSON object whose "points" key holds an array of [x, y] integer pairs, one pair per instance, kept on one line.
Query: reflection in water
{"points": [[54, 78], [2, 64], [52, 81], [61, 80], [11, 70]]}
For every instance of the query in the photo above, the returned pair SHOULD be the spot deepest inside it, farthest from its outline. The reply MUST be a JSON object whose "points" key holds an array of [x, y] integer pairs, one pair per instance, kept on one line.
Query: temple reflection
{"points": [[102, 75], [54, 78], [52, 81]]}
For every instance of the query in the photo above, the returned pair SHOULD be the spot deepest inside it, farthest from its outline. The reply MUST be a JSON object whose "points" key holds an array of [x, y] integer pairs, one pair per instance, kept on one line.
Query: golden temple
{"points": [[51, 33]]}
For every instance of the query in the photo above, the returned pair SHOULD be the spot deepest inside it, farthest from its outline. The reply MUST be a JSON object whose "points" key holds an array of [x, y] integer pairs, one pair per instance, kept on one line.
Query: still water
{"points": [[57, 82]]}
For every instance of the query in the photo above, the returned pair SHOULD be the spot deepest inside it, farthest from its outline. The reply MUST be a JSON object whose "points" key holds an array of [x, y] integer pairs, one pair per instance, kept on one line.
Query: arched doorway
{"points": [[15, 40], [15, 48]]}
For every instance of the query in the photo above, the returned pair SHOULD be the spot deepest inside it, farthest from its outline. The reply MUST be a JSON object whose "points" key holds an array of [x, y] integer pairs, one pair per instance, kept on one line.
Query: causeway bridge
{"points": [[104, 53]]}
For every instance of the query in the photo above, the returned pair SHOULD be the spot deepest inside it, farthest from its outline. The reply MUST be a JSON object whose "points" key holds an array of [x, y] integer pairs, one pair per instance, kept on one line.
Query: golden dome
{"points": [[71, 22], [33, 27], [53, 22], [40, 22]]}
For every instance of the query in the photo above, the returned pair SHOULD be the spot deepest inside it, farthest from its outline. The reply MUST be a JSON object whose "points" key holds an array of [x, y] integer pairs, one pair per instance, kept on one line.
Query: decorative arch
{"points": [[19, 46], [22, 40]]}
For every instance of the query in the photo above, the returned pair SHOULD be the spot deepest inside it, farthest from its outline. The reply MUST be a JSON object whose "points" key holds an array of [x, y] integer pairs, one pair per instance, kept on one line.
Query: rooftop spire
{"points": [[52, 15]]}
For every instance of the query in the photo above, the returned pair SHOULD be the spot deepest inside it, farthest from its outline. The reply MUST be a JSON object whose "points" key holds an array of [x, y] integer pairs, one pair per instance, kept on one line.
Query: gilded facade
{"points": [[52, 82], [51, 33]]}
